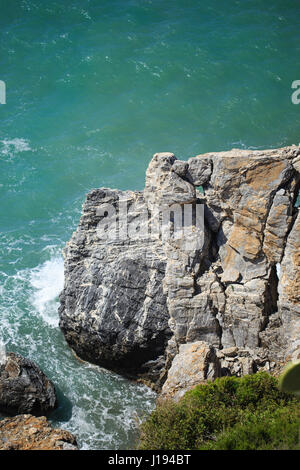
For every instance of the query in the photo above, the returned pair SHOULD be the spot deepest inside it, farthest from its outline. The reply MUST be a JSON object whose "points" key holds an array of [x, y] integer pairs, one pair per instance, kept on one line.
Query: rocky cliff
{"points": [[26, 432], [221, 297]]}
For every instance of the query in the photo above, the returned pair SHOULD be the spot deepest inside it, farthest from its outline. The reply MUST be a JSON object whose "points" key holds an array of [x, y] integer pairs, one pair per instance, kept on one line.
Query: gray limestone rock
{"points": [[136, 291]]}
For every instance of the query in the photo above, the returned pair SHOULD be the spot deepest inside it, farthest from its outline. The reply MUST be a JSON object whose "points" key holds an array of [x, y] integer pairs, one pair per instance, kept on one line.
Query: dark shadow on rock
{"points": [[63, 412]]}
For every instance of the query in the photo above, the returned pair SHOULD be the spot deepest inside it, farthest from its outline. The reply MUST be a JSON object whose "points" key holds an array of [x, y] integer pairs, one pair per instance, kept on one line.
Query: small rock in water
{"points": [[24, 388]]}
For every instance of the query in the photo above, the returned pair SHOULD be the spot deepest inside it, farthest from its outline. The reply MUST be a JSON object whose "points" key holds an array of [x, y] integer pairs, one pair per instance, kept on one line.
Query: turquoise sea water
{"points": [[94, 88]]}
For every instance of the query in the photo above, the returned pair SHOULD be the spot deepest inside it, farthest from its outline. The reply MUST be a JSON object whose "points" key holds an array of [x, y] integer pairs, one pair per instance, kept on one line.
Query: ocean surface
{"points": [[93, 89]]}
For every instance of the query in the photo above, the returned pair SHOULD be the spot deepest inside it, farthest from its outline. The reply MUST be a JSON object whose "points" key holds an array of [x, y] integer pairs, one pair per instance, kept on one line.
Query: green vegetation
{"points": [[230, 413]]}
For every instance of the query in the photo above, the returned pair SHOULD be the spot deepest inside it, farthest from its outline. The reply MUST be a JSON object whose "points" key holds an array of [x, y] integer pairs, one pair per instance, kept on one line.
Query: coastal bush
{"points": [[230, 413]]}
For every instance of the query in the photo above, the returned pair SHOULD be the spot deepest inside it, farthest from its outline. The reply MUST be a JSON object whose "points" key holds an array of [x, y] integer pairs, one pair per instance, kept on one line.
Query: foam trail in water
{"points": [[48, 281], [9, 147], [2, 353]]}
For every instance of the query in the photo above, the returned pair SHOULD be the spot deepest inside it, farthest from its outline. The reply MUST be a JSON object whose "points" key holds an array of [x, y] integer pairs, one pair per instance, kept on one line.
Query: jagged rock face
{"points": [[26, 432], [24, 388], [289, 291], [130, 302], [113, 308]]}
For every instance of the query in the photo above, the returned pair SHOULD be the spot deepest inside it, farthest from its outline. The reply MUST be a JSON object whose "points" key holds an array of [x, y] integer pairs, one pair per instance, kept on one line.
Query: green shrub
{"points": [[230, 413], [273, 429]]}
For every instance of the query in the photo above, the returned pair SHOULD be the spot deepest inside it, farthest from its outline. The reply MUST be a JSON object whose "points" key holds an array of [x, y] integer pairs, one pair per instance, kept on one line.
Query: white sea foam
{"points": [[102, 409], [2, 352], [13, 146], [106, 410], [47, 281], [85, 14]]}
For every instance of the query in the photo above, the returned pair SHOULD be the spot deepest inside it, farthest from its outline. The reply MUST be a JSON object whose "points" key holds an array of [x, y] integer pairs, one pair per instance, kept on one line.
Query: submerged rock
{"points": [[26, 432], [24, 388], [135, 292]]}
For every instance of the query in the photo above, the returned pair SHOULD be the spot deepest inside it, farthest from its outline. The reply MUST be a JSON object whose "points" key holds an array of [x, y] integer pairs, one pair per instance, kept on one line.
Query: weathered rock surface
{"points": [[194, 363], [26, 432], [24, 388], [130, 302], [113, 308]]}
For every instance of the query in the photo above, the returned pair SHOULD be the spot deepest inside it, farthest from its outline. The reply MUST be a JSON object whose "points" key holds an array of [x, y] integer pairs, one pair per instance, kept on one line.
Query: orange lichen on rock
{"points": [[260, 177], [27, 432]]}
